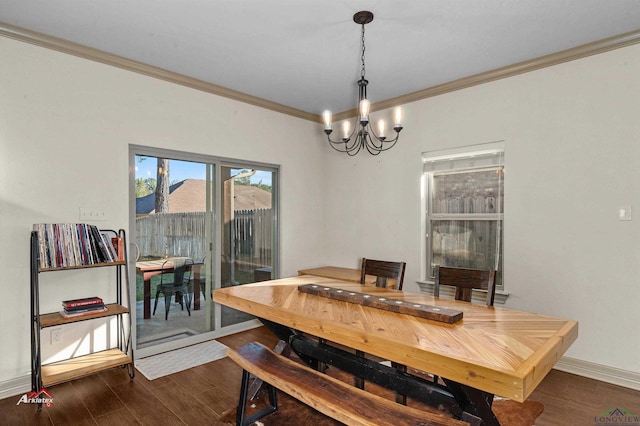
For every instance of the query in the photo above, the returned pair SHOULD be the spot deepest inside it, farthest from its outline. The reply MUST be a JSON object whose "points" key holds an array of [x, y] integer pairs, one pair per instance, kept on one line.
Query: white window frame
{"points": [[476, 157]]}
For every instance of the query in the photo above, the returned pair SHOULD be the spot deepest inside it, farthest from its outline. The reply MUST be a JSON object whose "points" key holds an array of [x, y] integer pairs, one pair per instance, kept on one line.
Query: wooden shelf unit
{"points": [[94, 265], [69, 369], [73, 368]]}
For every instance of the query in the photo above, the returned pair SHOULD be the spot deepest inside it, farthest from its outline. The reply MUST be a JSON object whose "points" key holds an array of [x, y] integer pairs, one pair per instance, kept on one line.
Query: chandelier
{"points": [[362, 135]]}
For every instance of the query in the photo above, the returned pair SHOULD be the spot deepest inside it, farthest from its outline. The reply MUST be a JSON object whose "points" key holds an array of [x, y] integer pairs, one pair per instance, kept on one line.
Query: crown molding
{"points": [[96, 55], [552, 59], [583, 51]]}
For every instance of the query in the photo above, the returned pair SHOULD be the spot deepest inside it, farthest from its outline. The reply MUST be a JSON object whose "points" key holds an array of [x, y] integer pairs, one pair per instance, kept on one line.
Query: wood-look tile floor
{"points": [[200, 395]]}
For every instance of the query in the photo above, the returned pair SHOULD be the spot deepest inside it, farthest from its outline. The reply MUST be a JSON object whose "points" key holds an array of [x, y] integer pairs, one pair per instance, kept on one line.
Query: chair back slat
{"points": [[180, 268], [465, 280], [383, 271]]}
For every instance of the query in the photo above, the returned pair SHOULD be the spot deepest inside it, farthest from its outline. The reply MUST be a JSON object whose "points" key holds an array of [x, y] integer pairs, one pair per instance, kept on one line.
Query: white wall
{"points": [[572, 137], [572, 159], [65, 127]]}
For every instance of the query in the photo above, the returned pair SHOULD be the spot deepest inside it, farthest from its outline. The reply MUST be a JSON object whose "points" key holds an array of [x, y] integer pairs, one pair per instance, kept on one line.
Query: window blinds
{"points": [[466, 158]]}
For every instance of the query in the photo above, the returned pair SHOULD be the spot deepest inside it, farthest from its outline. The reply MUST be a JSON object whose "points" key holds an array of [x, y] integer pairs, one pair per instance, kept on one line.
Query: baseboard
{"points": [[615, 376], [21, 385], [15, 387]]}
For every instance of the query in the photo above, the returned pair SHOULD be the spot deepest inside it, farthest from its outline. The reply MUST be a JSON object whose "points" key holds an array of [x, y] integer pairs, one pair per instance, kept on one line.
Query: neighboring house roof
{"points": [[189, 195]]}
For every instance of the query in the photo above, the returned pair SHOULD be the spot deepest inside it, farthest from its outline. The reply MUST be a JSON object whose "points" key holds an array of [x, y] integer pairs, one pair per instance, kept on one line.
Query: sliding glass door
{"points": [[221, 217], [247, 229]]}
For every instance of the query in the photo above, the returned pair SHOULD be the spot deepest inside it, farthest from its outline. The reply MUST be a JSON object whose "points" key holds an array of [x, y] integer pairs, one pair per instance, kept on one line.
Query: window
{"points": [[465, 208]]}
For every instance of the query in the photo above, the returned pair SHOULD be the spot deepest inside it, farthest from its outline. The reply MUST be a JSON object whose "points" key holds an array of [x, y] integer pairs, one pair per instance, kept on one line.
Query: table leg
{"points": [[476, 404], [196, 288], [456, 404], [147, 298]]}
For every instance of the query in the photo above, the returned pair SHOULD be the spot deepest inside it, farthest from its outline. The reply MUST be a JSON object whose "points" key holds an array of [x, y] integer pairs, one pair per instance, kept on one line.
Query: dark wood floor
{"points": [[200, 395]]}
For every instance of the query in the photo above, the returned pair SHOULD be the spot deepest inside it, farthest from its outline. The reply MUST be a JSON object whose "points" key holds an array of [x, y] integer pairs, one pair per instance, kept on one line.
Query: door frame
{"points": [[213, 252]]}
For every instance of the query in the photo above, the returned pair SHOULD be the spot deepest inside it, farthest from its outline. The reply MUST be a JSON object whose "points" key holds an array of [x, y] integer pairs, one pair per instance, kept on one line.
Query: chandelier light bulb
{"points": [[365, 105], [346, 127], [397, 115], [326, 116], [381, 125]]}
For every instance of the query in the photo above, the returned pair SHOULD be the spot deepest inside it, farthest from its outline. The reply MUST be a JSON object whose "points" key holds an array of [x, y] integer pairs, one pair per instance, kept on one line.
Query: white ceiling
{"points": [[306, 53]]}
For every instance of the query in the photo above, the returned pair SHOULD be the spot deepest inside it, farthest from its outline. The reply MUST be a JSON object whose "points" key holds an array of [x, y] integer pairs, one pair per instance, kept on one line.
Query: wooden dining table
{"points": [[490, 351], [150, 268]]}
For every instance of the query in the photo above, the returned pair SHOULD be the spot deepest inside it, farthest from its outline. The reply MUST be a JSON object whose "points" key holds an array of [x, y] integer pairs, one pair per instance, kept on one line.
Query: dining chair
{"points": [[383, 271], [465, 280], [174, 280]]}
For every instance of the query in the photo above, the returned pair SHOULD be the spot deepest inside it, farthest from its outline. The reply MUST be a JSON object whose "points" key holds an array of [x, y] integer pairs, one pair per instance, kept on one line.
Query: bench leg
{"points": [[400, 398], [241, 419], [282, 348], [358, 381]]}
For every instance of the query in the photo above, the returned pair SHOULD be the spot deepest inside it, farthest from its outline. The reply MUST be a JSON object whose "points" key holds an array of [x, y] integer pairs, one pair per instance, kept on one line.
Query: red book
{"points": [[76, 303]]}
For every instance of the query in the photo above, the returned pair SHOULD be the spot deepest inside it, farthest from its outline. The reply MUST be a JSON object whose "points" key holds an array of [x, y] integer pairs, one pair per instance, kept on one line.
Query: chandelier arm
{"points": [[355, 146], [353, 153], [376, 146], [342, 146], [375, 135], [373, 142], [373, 151], [342, 140], [350, 145], [388, 144], [338, 142]]}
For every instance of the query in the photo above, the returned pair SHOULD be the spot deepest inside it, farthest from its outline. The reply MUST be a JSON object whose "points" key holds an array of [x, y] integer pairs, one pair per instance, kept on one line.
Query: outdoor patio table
{"points": [[150, 268]]}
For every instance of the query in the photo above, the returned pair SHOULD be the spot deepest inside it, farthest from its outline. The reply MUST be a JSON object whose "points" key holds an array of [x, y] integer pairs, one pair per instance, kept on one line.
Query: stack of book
{"points": [[79, 307], [63, 245]]}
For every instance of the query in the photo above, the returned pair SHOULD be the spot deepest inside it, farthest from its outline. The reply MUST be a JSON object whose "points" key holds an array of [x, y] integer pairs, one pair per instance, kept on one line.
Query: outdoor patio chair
{"points": [[174, 280]]}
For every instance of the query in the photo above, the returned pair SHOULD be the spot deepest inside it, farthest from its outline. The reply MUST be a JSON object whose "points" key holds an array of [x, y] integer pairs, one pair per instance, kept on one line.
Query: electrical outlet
{"points": [[56, 335]]}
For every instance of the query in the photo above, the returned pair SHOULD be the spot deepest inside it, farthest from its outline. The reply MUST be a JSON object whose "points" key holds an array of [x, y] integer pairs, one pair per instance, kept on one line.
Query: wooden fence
{"points": [[253, 238], [182, 234]]}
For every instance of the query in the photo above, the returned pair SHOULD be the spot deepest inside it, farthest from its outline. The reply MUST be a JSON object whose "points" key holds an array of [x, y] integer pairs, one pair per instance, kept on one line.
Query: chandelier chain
{"points": [[362, 72]]}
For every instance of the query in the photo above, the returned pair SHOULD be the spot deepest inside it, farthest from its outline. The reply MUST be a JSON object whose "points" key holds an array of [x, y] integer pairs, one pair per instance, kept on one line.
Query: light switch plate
{"points": [[89, 214], [624, 213]]}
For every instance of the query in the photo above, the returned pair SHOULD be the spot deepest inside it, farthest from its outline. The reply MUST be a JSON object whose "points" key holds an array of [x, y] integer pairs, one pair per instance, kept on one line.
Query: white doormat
{"points": [[181, 359]]}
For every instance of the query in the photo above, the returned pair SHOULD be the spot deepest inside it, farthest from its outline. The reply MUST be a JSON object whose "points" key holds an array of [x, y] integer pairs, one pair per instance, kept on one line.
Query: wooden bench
{"points": [[332, 397]]}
